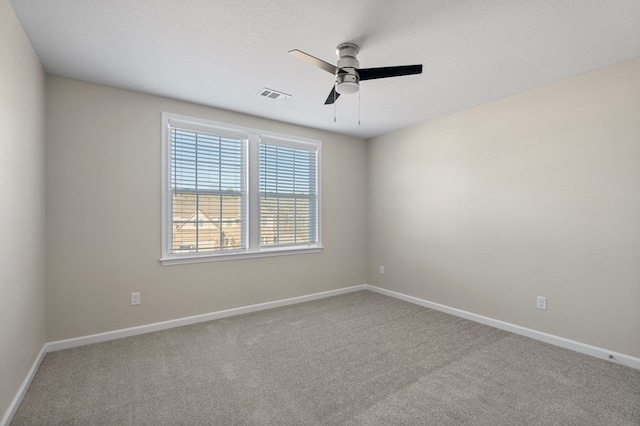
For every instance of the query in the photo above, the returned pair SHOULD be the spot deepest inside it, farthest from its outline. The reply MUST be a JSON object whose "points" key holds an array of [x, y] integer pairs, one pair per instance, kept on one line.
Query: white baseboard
{"points": [[13, 407], [584, 348], [149, 328]]}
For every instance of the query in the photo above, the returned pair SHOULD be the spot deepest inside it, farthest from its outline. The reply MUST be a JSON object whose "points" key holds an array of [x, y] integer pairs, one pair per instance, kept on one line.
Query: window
{"points": [[207, 191], [232, 192], [288, 195]]}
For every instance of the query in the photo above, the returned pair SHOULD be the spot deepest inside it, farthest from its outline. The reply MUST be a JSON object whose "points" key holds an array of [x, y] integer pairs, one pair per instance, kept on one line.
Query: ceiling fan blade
{"points": [[384, 72], [332, 96], [314, 61]]}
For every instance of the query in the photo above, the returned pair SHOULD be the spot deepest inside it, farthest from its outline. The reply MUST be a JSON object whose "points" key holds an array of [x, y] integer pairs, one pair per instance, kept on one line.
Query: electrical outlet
{"points": [[541, 303], [135, 298], [381, 270]]}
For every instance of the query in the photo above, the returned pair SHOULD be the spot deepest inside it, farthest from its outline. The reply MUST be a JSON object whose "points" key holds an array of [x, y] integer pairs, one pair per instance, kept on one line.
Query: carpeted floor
{"points": [[356, 359]]}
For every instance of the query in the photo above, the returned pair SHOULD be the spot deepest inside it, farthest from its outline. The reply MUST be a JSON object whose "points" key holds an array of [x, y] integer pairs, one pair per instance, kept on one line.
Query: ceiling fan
{"points": [[347, 72]]}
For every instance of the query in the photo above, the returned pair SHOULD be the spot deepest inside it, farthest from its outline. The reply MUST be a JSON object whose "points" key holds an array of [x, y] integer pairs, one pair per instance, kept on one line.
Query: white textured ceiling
{"points": [[221, 53]]}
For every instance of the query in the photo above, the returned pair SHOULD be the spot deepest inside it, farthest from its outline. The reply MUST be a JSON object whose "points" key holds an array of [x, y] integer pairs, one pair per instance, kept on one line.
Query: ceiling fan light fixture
{"points": [[347, 83], [347, 88]]}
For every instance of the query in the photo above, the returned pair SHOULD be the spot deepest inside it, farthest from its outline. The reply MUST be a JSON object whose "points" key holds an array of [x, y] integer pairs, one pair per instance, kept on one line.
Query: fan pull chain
{"points": [[334, 102], [358, 107]]}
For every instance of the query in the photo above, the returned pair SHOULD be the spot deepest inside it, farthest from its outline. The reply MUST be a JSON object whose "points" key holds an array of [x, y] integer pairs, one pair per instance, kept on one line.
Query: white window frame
{"points": [[253, 199]]}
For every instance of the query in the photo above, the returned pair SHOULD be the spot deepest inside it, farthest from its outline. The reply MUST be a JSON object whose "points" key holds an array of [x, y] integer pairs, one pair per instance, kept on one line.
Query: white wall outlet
{"points": [[135, 298], [541, 303], [381, 270]]}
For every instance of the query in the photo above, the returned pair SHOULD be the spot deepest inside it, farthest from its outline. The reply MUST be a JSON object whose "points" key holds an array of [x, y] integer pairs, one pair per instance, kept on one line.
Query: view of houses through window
{"points": [[206, 222]]}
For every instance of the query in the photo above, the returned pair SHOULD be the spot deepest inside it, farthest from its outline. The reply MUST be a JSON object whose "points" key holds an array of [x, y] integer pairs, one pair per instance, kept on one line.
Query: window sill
{"points": [[181, 260]]}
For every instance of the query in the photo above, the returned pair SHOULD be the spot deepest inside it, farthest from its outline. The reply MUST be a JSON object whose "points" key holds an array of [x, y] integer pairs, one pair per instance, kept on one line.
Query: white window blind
{"points": [[208, 191], [288, 194], [231, 192]]}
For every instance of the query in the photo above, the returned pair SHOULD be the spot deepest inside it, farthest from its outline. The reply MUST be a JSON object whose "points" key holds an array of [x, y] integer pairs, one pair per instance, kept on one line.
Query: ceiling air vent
{"points": [[274, 94]]}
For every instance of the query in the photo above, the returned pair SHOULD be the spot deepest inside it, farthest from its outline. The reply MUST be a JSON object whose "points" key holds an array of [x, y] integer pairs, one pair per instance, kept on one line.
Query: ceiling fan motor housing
{"points": [[347, 78]]}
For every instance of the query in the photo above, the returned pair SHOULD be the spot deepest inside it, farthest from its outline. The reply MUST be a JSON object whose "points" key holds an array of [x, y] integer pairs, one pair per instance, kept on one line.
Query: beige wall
{"points": [[535, 194], [22, 292], [103, 218]]}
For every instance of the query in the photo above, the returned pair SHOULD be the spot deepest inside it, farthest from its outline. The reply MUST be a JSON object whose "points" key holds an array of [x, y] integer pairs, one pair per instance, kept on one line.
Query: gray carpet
{"points": [[356, 359]]}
